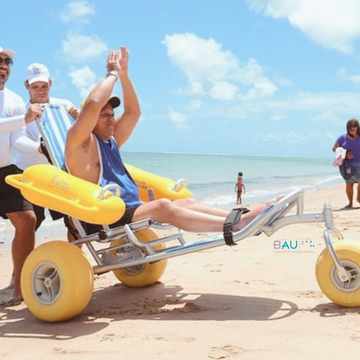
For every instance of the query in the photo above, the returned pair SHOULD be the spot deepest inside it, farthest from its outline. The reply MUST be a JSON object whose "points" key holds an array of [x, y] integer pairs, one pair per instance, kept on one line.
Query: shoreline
{"points": [[56, 230], [256, 195]]}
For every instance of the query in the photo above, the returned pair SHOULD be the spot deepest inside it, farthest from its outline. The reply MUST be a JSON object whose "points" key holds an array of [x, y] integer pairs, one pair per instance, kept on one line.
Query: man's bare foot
{"points": [[250, 216], [348, 207], [12, 302], [17, 296]]}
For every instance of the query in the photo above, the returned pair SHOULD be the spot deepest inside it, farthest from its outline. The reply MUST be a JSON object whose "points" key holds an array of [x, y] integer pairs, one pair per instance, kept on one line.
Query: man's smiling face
{"points": [[4, 69]]}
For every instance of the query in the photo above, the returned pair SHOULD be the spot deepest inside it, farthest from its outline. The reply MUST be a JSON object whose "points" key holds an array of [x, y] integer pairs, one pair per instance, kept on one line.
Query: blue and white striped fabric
{"points": [[53, 126]]}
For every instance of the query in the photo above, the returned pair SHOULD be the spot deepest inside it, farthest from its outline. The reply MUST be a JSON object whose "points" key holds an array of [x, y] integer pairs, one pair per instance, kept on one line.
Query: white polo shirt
{"points": [[12, 111]]}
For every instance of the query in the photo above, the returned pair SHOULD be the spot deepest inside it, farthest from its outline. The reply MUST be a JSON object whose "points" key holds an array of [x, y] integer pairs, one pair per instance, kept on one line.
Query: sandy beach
{"points": [[242, 302]]}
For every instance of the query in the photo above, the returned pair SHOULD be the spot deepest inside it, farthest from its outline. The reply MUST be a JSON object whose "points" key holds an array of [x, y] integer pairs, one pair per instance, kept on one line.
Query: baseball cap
{"points": [[9, 52], [37, 72], [114, 102]]}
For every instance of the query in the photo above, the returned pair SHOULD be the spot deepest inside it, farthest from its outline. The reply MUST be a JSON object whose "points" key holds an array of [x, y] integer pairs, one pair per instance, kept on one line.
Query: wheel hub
{"points": [[353, 272], [131, 253], [46, 283]]}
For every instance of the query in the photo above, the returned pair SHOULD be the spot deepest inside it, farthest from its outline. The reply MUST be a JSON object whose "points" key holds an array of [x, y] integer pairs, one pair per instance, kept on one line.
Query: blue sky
{"points": [[251, 77]]}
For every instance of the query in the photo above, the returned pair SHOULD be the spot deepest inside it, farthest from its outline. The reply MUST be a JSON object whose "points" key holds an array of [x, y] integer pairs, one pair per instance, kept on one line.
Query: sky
{"points": [[243, 77]]}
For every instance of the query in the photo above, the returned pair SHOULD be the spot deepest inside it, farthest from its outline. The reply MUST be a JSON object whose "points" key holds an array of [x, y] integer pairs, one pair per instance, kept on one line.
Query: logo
{"points": [[36, 70], [61, 184], [10, 112], [292, 246]]}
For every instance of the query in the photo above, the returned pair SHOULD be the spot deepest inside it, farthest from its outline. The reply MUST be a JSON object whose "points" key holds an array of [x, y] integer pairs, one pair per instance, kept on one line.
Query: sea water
{"points": [[212, 177]]}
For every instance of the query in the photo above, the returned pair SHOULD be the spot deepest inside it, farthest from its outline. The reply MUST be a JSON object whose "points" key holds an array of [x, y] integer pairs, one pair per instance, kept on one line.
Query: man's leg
{"points": [[72, 233], [23, 243], [40, 215], [192, 204], [350, 194], [187, 219]]}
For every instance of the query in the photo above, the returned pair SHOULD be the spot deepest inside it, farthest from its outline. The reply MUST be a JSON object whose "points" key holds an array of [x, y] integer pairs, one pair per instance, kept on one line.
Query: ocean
{"points": [[212, 177]]}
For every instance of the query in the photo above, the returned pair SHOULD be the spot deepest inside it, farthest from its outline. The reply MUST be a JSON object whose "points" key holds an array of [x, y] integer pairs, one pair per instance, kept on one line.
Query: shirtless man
{"points": [[97, 131]]}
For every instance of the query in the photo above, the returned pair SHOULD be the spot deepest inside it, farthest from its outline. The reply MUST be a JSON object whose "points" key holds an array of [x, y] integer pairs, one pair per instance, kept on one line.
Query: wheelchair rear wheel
{"points": [[145, 274], [57, 281]]}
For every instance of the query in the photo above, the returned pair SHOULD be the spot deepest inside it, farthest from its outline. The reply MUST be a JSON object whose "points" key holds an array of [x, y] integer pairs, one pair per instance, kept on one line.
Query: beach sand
{"points": [[241, 302]]}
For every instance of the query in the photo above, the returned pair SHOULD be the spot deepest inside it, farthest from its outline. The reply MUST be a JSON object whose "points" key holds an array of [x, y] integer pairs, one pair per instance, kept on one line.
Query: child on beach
{"points": [[239, 187]]}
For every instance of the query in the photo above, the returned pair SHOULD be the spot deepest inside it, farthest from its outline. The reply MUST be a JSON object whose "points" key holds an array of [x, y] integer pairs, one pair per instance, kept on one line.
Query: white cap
{"points": [[9, 52], [37, 72]]}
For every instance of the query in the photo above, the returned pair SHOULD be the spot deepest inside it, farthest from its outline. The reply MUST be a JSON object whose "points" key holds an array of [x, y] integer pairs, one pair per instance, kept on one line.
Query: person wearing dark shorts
{"points": [[350, 169], [13, 201], [11, 198], [125, 219], [30, 150], [12, 204]]}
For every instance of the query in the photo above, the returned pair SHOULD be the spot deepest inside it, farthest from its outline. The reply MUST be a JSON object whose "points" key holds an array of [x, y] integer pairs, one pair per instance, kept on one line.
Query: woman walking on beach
{"points": [[350, 169]]}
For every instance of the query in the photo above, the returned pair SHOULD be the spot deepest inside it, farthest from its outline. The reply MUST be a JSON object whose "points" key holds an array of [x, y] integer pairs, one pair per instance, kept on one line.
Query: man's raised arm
{"points": [[81, 130], [126, 123]]}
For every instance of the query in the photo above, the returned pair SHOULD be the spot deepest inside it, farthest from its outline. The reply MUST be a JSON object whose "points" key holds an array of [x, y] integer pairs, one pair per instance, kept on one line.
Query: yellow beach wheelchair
{"points": [[57, 278]]}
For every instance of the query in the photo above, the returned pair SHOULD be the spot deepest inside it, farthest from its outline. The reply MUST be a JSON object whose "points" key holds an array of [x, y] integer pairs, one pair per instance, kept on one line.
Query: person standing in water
{"points": [[239, 186]]}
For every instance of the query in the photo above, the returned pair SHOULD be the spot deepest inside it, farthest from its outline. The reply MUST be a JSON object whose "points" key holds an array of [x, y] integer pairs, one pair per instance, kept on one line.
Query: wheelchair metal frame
{"points": [[268, 222]]}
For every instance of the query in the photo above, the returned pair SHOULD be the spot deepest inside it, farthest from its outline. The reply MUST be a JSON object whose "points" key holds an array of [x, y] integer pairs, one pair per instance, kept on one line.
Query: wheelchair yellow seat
{"points": [[52, 188]]}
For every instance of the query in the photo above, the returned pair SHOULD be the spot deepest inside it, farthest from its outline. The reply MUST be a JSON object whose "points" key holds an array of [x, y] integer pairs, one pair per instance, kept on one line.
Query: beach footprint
{"points": [[225, 352]]}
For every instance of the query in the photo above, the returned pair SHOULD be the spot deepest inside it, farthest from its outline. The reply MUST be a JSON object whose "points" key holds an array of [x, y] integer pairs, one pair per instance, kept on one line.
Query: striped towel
{"points": [[53, 126]]}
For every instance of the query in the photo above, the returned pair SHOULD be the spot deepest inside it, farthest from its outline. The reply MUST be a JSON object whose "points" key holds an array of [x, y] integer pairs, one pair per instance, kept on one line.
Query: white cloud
{"points": [[84, 80], [77, 11], [338, 102], [331, 23], [79, 47], [195, 104], [180, 120], [262, 88], [331, 136], [326, 116], [214, 72], [291, 137], [277, 117], [223, 90], [236, 113], [342, 74], [282, 81], [323, 107]]}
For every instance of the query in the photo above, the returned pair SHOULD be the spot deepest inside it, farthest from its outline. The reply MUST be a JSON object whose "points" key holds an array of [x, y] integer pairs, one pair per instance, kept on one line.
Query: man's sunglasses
{"points": [[7, 61]]}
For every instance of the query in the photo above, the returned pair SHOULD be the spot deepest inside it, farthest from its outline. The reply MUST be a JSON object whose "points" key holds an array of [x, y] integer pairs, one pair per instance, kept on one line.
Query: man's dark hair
{"points": [[240, 174]]}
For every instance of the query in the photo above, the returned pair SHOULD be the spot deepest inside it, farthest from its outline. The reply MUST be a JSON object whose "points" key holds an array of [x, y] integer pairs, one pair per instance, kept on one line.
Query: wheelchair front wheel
{"points": [[347, 293]]}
